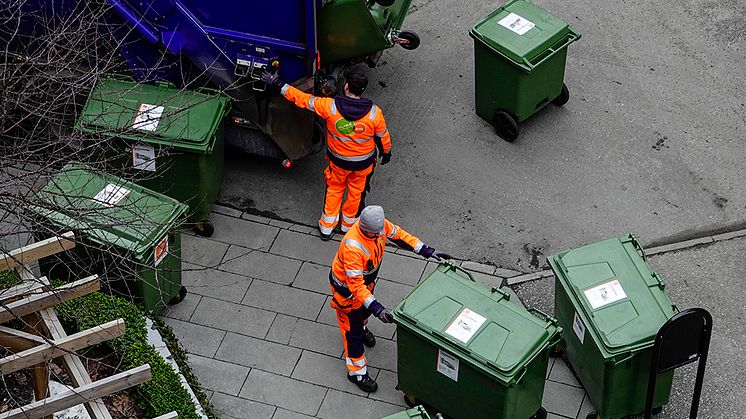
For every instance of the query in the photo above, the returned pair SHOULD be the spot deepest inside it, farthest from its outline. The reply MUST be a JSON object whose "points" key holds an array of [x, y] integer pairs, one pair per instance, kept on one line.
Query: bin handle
{"points": [[458, 268], [638, 246], [539, 313], [629, 356], [569, 39]]}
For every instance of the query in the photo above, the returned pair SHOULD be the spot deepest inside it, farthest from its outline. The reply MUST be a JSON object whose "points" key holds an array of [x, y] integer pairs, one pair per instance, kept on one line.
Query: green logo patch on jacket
{"points": [[344, 126]]}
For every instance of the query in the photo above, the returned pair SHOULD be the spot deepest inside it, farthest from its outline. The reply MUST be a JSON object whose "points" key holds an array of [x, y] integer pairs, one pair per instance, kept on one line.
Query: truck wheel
{"points": [[410, 400], [179, 297], [385, 3], [563, 97], [657, 410], [540, 414], [204, 228], [506, 126], [409, 40]]}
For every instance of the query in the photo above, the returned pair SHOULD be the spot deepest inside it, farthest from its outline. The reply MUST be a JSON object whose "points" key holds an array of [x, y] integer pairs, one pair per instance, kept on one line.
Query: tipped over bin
{"points": [[468, 351], [611, 304], [520, 51]]}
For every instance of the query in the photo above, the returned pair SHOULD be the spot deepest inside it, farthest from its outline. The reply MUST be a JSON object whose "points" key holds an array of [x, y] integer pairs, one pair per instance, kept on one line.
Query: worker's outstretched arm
{"points": [[405, 240], [320, 105]]}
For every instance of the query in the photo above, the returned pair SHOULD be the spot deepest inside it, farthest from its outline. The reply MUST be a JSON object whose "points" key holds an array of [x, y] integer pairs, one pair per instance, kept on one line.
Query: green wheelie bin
{"points": [[519, 58], [417, 412], [166, 139], [611, 304], [468, 351], [127, 235]]}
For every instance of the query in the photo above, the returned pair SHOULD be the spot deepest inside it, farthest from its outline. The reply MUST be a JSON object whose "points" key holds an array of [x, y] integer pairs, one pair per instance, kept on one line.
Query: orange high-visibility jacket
{"points": [[351, 145], [355, 268]]}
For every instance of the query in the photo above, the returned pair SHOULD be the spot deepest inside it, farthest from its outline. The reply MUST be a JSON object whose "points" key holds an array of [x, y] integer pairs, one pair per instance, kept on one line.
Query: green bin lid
{"points": [[619, 294], [417, 412], [108, 210], [160, 114], [478, 325], [523, 33]]}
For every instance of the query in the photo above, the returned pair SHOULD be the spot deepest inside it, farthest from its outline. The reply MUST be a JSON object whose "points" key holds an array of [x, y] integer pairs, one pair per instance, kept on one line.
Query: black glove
{"points": [[380, 311], [273, 79], [426, 251], [385, 158]]}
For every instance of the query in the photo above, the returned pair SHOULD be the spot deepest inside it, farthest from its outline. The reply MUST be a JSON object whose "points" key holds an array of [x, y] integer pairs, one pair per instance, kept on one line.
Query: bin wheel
{"points": [[657, 410], [385, 3], [179, 297], [506, 126], [556, 351], [410, 400], [540, 414], [204, 228], [563, 97], [593, 415], [408, 40]]}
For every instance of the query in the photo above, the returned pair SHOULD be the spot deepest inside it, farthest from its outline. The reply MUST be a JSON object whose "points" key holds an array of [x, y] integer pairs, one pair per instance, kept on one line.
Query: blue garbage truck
{"points": [[228, 44]]}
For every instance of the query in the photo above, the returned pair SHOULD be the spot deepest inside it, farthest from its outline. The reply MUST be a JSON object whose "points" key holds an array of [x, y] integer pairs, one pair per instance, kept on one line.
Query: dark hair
{"points": [[356, 82]]}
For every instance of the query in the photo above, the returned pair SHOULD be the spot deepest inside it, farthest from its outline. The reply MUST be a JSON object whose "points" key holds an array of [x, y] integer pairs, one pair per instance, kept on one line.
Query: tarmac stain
{"points": [[660, 143], [719, 201], [534, 253]]}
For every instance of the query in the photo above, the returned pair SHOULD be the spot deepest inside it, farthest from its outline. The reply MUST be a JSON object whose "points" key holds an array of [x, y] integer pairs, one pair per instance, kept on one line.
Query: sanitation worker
{"points": [[352, 280], [356, 135]]}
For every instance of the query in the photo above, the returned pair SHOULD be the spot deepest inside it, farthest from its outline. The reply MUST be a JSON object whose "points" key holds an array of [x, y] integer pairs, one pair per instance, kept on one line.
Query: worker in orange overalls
{"points": [[352, 280], [356, 134]]}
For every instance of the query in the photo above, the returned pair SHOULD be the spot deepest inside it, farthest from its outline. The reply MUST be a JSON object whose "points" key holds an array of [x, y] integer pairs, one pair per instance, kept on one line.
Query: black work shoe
{"points": [[325, 237], [369, 339], [364, 382]]}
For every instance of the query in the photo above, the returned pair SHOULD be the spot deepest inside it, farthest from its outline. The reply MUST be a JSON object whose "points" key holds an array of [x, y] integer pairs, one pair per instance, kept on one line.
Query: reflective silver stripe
{"points": [[373, 111], [361, 371], [334, 108], [418, 247], [344, 228], [354, 272], [355, 243], [284, 89], [393, 232], [382, 133], [337, 282], [359, 363], [348, 220], [311, 102], [326, 230], [368, 301], [371, 271], [346, 139], [353, 158], [329, 219]]}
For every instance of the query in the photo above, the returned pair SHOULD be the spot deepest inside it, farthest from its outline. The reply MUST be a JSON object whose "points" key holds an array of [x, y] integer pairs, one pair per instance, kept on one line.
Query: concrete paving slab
{"points": [[506, 273], [300, 228], [258, 353], [387, 391], [478, 267], [273, 389], [196, 339], [327, 315], [217, 375], [282, 299], [381, 409], [402, 269], [326, 371], [562, 374], [202, 251], [429, 268], [286, 414], [243, 233], [389, 294], [313, 277], [305, 247], [217, 284], [281, 224], [261, 265], [339, 405], [232, 407], [255, 218], [282, 329], [233, 317], [183, 310], [383, 355], [488, 281], [317, 337], [231, 212], [562, 399], [586, 407]]}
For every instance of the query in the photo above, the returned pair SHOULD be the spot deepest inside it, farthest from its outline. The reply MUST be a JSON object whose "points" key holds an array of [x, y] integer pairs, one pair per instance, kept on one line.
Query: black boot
{"points": [[364, 382], [368, 339]]}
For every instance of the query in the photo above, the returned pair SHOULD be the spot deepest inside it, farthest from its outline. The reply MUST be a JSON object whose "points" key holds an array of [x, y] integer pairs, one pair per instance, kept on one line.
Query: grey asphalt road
{"points": [[651, 141], [710, 277]]}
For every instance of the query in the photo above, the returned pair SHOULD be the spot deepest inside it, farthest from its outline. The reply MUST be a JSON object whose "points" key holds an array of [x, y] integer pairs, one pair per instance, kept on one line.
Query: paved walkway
{"points": [[263, 340]]}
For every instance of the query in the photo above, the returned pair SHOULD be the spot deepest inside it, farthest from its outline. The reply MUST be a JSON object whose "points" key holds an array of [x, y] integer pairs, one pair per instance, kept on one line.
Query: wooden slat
{"points": [[18, 340], [169, 415], [72, 365], [36, 251], [49, 298], [67, 399], [59, 347], [17, 291]]}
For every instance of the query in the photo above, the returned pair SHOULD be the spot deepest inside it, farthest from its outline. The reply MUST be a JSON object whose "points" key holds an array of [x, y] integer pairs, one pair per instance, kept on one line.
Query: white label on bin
{"points": [[578, 327], [111, 195], [143, 157], [148, 117], [606, 293], [447, 365], [160, 251], [465, 325], [516, 23]]}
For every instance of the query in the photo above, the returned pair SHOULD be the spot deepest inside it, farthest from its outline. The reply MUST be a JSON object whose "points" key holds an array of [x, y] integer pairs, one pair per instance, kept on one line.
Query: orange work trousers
{"points": [[357, 184], [352, 325]]}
